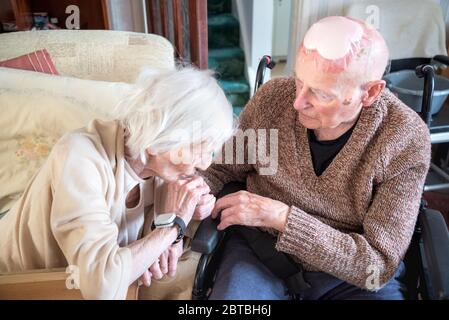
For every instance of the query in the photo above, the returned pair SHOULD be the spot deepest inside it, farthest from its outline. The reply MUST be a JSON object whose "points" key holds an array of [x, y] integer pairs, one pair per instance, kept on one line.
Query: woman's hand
{"points": [[167, 264], [249, 209], [184, 195], [146, 278], [181, 198], [204, 207]]}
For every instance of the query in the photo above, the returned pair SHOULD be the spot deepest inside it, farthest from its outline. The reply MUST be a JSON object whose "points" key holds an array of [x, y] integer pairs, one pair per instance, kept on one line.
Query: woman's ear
{"points": [[372, 91]]}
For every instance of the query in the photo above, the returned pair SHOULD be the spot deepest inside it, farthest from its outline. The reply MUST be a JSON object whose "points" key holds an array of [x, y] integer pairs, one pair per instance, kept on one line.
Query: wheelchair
{"points": [[426, 260]]}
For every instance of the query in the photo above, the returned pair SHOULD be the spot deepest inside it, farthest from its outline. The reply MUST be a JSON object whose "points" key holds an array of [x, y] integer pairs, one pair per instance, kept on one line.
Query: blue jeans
{"points": [[241, 276]]}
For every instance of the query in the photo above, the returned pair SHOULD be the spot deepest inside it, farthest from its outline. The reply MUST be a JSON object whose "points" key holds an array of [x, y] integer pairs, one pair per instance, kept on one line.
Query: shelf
{"points": [[94, 14]]}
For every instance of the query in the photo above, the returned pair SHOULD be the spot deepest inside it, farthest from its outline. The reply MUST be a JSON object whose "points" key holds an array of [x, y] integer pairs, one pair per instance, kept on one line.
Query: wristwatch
{"points": [[168, 220]]}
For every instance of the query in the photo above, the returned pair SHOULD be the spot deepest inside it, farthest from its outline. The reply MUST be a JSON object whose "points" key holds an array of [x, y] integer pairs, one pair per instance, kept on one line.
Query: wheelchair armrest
{"points": [[207, 236], [435, 253]]}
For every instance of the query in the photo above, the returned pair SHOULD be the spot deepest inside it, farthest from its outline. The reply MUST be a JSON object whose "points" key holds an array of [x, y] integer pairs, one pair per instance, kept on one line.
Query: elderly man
{"points": [[352, 162]]}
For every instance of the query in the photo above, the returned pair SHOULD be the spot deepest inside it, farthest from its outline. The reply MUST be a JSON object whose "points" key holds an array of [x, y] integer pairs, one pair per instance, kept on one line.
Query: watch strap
{"points": [[181, 228]]}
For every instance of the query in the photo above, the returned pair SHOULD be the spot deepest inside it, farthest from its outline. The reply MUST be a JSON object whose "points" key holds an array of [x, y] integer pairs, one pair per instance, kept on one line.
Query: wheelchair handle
{"points": [[427, 72], [265, 62]]}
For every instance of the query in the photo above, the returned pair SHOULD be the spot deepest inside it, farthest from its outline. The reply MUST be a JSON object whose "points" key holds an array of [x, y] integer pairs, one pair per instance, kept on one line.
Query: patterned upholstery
{"points": [[104, 55]]}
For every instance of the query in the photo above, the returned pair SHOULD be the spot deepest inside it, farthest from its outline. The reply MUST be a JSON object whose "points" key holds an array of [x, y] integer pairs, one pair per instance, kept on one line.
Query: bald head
{"points": [[347, 46]]}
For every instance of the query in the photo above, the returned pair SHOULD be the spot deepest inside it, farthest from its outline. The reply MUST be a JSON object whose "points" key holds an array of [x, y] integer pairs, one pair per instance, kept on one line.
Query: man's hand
{"points": [[249, 209], [166, 264]]}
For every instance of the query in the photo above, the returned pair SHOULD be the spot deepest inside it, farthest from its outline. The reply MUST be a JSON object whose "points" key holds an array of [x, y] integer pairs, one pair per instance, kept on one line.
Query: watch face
{"points": [[164, 219]]}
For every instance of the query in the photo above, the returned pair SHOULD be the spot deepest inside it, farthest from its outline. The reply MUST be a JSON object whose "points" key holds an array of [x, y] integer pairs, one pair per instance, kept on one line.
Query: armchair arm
{"points": [[434, 249], [43, 284]]}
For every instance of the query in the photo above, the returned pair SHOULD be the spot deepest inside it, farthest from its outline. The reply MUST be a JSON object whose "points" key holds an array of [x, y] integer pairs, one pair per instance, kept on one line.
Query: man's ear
{"points": [[372, 91]]}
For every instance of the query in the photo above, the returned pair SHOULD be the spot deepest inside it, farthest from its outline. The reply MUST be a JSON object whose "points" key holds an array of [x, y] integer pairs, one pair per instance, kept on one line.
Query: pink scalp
{"points": [[333, 42]]}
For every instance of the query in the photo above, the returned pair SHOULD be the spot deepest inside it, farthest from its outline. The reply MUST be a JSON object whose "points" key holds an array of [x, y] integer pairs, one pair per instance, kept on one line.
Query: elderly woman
{"points": [[352, 164], [85, 207]]}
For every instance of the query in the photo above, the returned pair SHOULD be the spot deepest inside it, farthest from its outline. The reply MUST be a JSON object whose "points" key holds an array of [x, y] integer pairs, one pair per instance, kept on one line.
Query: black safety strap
{"points": [[279, 263]]}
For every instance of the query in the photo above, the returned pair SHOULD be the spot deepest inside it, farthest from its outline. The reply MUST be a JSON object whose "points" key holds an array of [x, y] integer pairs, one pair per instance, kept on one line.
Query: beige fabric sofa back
{"points": [[106, 55]]}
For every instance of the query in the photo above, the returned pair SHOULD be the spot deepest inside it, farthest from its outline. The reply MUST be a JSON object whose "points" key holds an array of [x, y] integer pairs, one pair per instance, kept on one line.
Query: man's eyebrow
{"points": [[315, 89]]}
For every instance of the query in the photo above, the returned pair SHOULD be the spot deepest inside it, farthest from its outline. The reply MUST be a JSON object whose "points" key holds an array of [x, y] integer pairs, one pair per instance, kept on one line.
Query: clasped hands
{"points": [[190, 199]]}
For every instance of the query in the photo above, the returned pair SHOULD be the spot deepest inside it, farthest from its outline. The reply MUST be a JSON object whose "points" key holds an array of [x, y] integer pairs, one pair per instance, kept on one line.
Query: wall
{"points": [[256, 32], [127, 15], [305, 12], [281, 26]]}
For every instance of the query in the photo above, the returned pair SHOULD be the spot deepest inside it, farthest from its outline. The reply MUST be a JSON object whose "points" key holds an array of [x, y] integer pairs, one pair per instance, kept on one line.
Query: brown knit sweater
{"points": [[361, 212]]}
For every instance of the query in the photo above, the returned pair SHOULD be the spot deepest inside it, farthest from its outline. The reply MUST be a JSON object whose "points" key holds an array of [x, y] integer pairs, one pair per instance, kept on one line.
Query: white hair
{"points": [[168, 109]]}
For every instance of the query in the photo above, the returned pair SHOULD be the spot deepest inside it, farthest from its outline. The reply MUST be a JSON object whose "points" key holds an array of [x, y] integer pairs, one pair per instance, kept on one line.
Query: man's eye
{"points": [[321, 95]]}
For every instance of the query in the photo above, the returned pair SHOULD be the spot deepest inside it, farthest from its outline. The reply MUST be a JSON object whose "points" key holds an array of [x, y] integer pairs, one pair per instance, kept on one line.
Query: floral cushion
{"points": [[37, 109]]}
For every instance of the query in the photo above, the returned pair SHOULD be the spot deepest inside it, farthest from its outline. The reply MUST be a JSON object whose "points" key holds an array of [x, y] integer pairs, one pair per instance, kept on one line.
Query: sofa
{"points": [[96, 70]]}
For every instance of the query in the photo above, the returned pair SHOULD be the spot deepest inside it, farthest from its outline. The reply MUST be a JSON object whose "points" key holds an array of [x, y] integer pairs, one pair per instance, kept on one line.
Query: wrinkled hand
{"points": [[204, 207], [249, 209], [183, 196], [166, 264]]}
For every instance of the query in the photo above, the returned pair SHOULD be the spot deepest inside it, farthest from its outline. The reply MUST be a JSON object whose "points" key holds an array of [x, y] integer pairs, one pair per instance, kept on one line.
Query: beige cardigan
{"points": [[72, 213]]}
